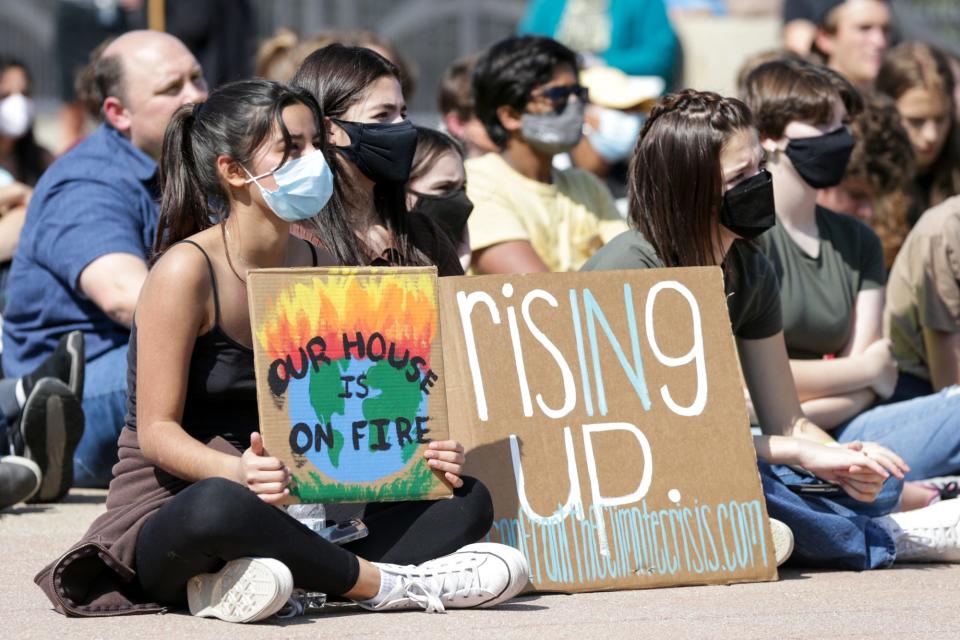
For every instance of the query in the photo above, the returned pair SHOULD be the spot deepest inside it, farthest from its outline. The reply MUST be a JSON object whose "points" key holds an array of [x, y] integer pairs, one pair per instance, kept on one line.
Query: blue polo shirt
{"points": [[99, 198]]}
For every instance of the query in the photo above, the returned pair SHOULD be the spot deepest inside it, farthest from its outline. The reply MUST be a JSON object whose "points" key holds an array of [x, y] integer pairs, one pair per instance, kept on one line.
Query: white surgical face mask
{"points": [[304, 186], [616, 134], [16, 115]]}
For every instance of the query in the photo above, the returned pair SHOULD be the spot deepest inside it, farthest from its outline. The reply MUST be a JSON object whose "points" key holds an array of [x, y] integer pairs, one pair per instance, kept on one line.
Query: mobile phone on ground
{"points": [[344, 532]]}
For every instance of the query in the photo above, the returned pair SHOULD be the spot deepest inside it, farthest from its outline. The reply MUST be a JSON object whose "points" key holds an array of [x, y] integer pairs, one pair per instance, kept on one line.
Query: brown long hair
{"points": [[676, 181], [338, 77], [915, 65]]}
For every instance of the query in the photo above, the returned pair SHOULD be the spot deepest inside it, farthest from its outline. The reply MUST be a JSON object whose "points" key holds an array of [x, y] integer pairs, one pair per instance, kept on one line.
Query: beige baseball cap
{"points": [[612, 88]]}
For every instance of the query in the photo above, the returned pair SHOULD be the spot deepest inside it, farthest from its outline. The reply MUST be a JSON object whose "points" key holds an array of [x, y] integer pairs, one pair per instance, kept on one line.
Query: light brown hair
{"points": [[913, 65], [883, 159], [788, 90]]}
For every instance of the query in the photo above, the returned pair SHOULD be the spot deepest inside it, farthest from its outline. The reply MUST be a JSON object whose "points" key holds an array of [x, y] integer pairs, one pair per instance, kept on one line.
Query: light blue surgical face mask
{"points": [[304, 186], [616, 134]]}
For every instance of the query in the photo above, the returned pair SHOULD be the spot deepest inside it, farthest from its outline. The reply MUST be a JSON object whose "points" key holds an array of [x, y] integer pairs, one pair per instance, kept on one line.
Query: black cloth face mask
{"points": [[449, 210], [822, 160], [748, 209], [382, 151]]}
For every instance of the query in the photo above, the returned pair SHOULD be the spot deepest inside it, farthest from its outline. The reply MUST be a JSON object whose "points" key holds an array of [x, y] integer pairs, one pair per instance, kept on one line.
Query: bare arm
{"points": [[172, 312], [943, 356], [113, 282], [857, 474], [11, 223], [513, 256], [766, 371], [14, 200], [15, 194], [834, 410]]}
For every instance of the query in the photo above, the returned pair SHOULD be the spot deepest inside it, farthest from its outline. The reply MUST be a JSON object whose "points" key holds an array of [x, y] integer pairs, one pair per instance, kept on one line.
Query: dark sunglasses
{"points": [[559, 96]]}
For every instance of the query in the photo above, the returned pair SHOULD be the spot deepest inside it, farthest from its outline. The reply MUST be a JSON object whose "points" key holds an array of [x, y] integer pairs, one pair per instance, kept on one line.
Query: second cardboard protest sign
{"points": [[604, 412]]}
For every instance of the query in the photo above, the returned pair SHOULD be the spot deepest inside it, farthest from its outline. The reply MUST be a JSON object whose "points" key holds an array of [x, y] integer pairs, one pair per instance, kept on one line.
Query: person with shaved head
{"points": [[83, 252]]}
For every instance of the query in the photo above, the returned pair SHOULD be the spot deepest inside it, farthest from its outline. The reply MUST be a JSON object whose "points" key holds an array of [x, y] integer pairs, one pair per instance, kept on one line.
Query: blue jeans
{"points": [[831, 530], [105, 410], [925, 432]]}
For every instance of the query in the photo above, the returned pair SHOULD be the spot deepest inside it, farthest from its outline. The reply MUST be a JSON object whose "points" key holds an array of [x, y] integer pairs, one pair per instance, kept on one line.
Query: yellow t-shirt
{"points": [[565, 222]]}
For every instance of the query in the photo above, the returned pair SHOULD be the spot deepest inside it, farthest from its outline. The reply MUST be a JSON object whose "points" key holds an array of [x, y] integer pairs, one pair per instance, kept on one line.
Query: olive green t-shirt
{"points": [[818, 295], [753, 300]]}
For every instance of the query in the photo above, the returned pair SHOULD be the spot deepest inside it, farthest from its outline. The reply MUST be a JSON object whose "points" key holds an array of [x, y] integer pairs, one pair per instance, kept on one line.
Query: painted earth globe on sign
{"points": [[344, 392]]}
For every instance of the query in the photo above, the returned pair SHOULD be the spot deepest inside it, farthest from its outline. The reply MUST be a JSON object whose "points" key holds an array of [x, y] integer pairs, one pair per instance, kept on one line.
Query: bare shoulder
{"points": [[181, 274]]}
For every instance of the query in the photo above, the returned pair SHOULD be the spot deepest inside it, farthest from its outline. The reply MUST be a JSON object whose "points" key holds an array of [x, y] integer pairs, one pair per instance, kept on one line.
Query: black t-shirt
{"points": [[753, 296]]}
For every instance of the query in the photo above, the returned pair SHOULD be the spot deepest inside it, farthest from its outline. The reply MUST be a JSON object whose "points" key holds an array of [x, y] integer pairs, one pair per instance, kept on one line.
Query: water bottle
{"points": [[312, 516]]}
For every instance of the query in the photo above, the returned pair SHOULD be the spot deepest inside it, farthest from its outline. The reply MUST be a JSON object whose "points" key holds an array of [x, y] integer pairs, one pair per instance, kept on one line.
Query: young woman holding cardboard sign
{"points": [[708, 217], [190, 519]]}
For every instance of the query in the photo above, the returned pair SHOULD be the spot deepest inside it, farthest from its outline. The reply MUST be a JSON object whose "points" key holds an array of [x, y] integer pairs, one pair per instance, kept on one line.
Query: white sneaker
{"points": [[931, 534], [782, 540], [478, 575], [245, 590]]}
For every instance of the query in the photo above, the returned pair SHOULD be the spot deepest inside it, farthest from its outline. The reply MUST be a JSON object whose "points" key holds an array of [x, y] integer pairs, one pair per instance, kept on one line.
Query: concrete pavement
{"points": [[901, 603]]}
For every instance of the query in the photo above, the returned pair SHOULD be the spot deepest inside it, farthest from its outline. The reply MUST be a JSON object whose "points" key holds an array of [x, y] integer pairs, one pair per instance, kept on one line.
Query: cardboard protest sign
{"points": [[604, 412], [350, 380]]}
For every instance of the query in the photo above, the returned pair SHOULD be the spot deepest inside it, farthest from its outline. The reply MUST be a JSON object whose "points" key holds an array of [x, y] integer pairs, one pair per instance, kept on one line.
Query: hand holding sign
{"points": [[447, 456], [265, 475], [350, 383]]}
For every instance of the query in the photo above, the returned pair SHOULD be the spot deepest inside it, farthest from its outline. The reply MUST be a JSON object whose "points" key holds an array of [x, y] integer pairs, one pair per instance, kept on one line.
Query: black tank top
{"points": [[221, 397]]}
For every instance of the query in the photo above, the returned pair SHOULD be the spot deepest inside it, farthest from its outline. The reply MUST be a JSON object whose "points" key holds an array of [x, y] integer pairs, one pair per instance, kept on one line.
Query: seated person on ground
{"points": [[527, 216], [91, 221], [918, 78], [878, 182], [922, 318], [189, 515], [437, 187], [711, 141], [22, 160], [832, 276], [455, 102], [612, 123]]}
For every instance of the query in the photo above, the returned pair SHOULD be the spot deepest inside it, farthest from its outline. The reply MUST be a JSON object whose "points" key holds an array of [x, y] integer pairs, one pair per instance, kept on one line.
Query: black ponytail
{"points": [[183, 207], [233, 122]]}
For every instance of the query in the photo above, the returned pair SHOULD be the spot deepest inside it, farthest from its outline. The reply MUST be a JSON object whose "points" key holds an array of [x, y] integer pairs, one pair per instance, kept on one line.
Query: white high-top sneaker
{"points": [[782, 540], [478, 575], [245, 590], [931, 534]]}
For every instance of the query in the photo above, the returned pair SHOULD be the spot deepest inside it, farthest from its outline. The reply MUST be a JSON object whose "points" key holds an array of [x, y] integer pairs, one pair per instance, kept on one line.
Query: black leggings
{"points": [[214, 521]]}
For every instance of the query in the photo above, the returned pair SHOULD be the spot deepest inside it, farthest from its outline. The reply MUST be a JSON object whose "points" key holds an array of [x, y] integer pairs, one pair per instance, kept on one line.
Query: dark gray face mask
{"points": [[553, 133]]}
